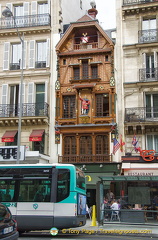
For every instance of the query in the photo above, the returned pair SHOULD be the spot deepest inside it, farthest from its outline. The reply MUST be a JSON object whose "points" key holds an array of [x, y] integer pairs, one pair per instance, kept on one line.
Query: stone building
{"points": [[38, 24]]}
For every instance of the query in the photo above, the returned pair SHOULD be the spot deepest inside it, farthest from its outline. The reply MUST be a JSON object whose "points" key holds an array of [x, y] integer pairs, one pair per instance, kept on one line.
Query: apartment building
{"points": [[36, 24], [137, 98]]}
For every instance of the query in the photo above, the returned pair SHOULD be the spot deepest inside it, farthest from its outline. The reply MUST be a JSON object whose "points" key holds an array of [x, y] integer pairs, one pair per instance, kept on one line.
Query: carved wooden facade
{"points": [[85, 93]]}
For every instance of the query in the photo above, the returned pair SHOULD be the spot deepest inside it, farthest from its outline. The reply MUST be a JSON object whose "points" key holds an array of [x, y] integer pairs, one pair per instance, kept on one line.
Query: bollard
{"points": [[94, 223]]}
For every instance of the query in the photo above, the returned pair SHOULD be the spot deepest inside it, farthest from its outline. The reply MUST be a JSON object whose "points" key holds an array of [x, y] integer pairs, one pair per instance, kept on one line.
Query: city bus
{"points": [[42, 196]]}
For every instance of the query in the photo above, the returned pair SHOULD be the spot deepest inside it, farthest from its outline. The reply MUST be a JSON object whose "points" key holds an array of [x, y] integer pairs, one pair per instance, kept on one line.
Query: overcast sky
{"points": [[106, 13]]}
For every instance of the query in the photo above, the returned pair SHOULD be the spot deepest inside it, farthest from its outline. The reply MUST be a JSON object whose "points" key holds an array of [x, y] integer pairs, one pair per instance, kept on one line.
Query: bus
{"points": [[42, 196]]}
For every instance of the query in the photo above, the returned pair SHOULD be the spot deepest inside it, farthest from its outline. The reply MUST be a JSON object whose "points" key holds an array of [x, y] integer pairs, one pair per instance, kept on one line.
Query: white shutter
{"points": [[23, 93], [4, 93], [4, 112], [26, 8], [6, 56], [10, 6], [144, 60], [32, 54], [34, 8], [49, 6], [24, 57], [46, 91], [31, 107], [30, 92], [48, 53], [155, 59], [0, 10]]}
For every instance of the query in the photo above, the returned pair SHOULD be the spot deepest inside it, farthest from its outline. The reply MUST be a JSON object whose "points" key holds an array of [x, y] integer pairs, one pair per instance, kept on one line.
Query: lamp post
{"points": [[7, 13]]}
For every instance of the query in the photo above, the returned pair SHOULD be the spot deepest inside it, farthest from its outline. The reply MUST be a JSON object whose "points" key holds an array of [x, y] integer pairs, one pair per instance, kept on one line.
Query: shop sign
{"points": [[146, 172]]}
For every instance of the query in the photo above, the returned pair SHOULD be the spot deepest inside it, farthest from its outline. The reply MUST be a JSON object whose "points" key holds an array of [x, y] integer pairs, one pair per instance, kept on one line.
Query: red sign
{"points": [[9, 139], [147, 155], [35, 139]]}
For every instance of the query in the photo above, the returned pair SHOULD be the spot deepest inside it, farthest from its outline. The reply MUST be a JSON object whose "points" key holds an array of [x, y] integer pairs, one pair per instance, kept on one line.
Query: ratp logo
{"points": [[35, 206], [54, 231]]}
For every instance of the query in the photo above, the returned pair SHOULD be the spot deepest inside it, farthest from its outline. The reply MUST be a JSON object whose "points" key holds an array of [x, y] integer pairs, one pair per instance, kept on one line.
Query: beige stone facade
{"points": [[137, 73], [39, 24]]}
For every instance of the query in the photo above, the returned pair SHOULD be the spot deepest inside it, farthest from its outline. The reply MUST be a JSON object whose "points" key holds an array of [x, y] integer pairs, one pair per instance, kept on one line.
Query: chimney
{"points": [[93, 12]]}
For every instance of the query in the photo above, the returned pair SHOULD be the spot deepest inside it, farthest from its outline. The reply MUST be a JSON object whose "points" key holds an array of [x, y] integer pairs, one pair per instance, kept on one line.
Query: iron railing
{"points": [[28, 110], [141, 114], [133, 2], [147, 36], [148, 74], [100, 158], [25, 21]]}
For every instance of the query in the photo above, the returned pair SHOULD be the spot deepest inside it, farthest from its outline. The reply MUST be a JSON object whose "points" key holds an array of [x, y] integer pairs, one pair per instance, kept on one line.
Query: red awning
{"points": [[9, 136], [36, 136]]}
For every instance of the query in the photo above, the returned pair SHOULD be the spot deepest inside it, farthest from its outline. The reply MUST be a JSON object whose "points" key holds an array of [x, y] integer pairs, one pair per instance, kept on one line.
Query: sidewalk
{"points": [[117, 228]]}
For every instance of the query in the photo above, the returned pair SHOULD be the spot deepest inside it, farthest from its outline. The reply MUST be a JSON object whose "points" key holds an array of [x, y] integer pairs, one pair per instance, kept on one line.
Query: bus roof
{"points": [[35, 165]]}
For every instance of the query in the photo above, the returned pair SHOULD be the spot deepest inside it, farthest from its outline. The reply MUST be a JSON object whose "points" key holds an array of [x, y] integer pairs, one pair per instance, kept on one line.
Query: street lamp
{"points": [[8, 13]]}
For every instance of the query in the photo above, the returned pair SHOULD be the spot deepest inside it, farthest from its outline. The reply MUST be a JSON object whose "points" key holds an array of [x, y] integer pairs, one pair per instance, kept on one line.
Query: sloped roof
{"points": [[85, 21]]}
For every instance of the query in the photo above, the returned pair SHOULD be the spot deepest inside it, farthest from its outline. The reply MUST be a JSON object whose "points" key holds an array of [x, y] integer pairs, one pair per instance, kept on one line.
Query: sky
{"points": [[106, 13]]}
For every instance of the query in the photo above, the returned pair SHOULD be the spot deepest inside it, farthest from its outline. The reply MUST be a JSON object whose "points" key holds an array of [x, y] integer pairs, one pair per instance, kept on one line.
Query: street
{"points": [[46, 236]]}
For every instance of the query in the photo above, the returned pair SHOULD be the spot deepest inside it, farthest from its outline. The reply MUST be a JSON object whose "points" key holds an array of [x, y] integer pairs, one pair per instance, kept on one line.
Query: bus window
{"points": [[34, 190], [80, 179], [6, 190], [63, 184]]}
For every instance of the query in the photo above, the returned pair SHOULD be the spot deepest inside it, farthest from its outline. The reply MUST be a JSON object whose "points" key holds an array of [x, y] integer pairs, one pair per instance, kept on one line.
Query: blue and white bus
{"points": [[42, 196]]}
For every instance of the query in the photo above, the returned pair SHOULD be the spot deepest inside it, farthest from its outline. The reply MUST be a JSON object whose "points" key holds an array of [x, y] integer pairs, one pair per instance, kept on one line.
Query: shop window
{"points": [[102, 105], [69, 106]]}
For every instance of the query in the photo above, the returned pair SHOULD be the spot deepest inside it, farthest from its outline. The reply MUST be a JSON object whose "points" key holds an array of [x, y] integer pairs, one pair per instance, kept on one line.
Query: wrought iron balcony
{"points": [[148, 74], [14, 66], [141, 114], [100, 158], [40, 64], [147, 36], [133, 2], [29, 110], [25, 21]]}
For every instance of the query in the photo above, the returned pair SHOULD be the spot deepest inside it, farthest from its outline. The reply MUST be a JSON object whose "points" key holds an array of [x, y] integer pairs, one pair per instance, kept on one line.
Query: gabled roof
{"points": [[85, 21]]}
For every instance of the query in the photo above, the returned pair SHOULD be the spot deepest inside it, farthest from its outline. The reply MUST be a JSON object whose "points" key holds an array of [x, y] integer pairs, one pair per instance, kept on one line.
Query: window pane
{"points": [[102, 105], [7, 190], [69, 106], [102, 145], [156, 143], [149, 142], [34, 190], [69, 145], [86, 145], [63, 184], [16, 53], [41, 51]]}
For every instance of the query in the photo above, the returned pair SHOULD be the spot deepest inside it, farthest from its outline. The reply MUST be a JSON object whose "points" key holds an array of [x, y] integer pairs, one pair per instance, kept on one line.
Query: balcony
{"points": [[148, 36], [86, 46], [25, 21], [134, 2], [40, 64], [85, 158], [92, 78], [29, 110], [148, 74], [141, 114], [14, 66]]}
